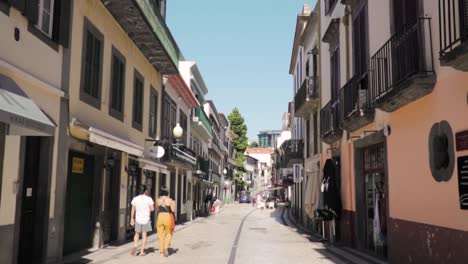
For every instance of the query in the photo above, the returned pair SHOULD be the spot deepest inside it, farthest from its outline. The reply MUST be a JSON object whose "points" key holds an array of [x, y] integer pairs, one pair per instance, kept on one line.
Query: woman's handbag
{"points": [[172, 223]]}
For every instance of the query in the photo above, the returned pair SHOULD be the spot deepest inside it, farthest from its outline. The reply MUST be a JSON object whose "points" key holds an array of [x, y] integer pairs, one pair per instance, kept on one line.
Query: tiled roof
{"points": [[259, 151]]}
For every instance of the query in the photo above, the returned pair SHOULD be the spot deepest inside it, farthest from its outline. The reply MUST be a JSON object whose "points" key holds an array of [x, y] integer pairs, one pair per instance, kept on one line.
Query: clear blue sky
{"points": [[243, 51]]}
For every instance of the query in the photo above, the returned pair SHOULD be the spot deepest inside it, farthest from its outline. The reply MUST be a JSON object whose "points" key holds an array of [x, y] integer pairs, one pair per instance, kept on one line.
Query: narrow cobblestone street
{"points": [[238, 234]]}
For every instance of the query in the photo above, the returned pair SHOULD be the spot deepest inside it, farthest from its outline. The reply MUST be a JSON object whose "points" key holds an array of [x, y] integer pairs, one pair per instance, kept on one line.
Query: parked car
{"points": [[244, 197]]}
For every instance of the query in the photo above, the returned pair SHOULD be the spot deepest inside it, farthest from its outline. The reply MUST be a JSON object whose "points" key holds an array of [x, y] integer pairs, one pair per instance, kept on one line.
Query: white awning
{"points": [[20, 112], [151, 165], [102, 138]]}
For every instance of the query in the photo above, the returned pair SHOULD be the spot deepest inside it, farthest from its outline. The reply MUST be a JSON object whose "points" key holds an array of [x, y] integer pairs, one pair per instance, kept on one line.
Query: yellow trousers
{"points": [[164, 233]]}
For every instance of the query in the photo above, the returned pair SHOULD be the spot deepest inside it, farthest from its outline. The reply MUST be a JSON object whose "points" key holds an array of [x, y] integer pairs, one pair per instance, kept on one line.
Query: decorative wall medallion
{"points": [[441, 151], [461, 139]]}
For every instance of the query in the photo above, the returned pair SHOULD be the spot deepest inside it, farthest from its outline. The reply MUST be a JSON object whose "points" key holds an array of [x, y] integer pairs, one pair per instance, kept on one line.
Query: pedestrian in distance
{"points": [[165, 223], [142, 206]]}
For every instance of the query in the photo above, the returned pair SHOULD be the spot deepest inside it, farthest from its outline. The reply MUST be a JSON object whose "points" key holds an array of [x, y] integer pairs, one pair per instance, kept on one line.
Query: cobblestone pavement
{"points": [[238, 234]]}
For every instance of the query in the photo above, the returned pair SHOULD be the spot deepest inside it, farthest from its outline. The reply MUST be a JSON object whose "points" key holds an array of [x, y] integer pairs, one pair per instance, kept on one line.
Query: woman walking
{"points": [[166, 208]]}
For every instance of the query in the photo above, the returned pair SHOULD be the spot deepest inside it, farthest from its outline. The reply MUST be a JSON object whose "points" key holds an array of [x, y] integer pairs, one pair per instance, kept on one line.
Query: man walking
{"points": [[143, 205]]}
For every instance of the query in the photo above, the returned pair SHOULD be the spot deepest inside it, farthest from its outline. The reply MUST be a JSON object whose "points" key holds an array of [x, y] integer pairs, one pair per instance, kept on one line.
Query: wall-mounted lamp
{"points": [[363, 134], [353, 138], [387, 131]]}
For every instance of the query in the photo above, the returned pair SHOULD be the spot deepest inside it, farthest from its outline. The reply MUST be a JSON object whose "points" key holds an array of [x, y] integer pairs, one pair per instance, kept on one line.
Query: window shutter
{"points": [[61, 22], [31, 10], [19, 4]]}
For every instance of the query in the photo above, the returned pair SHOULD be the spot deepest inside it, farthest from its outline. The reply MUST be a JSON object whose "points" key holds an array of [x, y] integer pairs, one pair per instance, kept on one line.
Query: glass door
{"points": [[375, 200]]}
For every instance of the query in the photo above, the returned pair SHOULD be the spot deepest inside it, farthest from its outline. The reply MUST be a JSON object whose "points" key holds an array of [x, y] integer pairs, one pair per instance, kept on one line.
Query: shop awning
{"points": [[102, 138], [22, 115], [151, 165]]}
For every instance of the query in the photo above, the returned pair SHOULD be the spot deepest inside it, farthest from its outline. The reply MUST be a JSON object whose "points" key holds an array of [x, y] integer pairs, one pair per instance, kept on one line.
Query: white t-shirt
{"points": [[142, 205]]}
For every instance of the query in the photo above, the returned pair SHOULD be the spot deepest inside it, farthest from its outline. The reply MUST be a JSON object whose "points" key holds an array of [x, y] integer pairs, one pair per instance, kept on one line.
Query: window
{"points": [[163, 183], [307, 69], [138, 85], [117, 90], [308, 138], [91, 68], [183, 124], [169, 115], [153, 112], [316, 138], [329, 5], [360, 42], [314, 62], [335, 72], [185, 188], [45, 16]]}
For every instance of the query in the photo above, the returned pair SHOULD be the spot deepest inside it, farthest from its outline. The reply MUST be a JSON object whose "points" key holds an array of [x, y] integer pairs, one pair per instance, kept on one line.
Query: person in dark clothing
{"points": [[330, 205]]}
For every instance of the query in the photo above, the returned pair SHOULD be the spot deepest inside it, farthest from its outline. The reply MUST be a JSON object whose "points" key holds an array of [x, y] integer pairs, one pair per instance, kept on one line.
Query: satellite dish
{"points": [[156, 152]]}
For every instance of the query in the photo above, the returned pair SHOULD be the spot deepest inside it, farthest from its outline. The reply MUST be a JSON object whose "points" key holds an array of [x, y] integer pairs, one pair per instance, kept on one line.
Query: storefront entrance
{"points": [[151, 186], [111, 198], [78, 211], [34, 200], [372, 201], [134, 181]]}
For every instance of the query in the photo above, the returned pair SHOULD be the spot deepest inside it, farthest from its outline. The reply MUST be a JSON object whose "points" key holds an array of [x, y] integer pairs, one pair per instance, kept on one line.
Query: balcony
{"points": [[453, 32], [331, 122], [203, 120], [357, 108], [203, 169], [291, 152], [148, 30], [307, 98], [402, 70], [180, 154]]}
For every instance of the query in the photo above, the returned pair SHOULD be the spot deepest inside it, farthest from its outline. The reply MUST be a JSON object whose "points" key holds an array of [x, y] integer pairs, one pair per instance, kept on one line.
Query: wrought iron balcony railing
{"points": [[453, 24], [331, 122], [307, 97], [453, 32], [356, 104], [402, 70], [291, 151]]}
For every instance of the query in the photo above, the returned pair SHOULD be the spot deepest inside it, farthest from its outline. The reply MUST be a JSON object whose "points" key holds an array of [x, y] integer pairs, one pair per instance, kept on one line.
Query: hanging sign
{"points": [[77, 165], [463, 181], [461, 139], [297, 172], [156, 152]]}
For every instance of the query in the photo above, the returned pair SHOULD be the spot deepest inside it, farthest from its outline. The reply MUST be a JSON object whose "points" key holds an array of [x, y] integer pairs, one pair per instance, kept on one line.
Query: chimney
{"points": [[306, 9]]}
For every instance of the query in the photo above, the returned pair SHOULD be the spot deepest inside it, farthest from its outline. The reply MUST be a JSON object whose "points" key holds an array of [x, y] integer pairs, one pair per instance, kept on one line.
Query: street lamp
{"points": [[225, 171], [178, 132]]}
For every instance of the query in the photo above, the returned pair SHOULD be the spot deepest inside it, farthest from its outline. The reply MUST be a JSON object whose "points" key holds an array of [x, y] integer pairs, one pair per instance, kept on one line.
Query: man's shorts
{"points": [[139, 228]]}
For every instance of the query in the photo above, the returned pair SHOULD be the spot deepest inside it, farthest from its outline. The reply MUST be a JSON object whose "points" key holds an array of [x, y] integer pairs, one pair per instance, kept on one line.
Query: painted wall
{"points": [[43, 86], [114, 36]]}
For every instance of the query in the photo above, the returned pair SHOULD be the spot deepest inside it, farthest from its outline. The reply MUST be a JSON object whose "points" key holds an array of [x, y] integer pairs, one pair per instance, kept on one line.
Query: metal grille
{"points": [[374, 159]]}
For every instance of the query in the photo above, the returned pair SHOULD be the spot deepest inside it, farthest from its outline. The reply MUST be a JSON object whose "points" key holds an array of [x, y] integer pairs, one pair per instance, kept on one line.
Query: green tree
{"points": [[237, 125], [254, 144]]}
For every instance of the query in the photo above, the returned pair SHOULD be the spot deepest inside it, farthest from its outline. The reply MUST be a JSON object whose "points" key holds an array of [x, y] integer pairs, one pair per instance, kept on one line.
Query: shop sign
{"points": [[297, 172], [463, 181], [77, 165], [461, 139]]}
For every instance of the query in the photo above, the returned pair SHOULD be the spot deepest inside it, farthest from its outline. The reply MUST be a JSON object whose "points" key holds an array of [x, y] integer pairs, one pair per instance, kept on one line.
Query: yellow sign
{"points": [[78, 165]]}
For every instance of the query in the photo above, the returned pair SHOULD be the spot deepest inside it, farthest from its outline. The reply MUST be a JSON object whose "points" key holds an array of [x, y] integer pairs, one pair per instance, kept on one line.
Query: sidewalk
{"points": [[344, 253], [116, 251]]}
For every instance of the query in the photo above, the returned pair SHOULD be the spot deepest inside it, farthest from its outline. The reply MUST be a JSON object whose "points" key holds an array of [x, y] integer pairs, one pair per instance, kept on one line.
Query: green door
{"points": [[78, 224]]}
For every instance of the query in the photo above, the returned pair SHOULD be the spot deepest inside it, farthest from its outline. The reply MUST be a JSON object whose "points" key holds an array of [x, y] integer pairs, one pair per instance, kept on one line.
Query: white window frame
{"points": [[41, 11]]}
